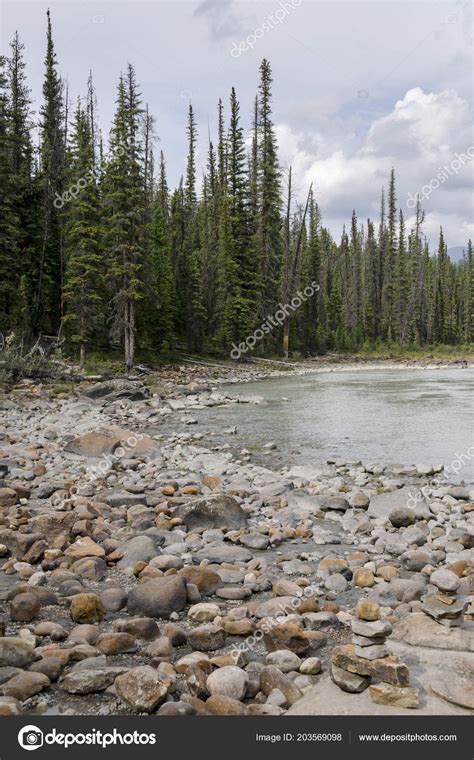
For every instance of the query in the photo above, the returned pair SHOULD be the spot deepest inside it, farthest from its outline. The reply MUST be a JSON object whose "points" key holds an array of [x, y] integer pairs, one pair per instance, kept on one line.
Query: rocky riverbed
{"points": [[151, 570]]}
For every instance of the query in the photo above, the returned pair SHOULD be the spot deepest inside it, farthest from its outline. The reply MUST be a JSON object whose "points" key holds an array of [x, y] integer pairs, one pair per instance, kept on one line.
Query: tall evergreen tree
{"points": [[48, 305], [83, 243], [124, 209], [268, 234]]}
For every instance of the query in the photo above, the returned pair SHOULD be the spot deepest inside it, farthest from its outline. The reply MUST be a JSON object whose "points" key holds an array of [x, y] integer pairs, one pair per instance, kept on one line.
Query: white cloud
{"points": [[421, 135]]}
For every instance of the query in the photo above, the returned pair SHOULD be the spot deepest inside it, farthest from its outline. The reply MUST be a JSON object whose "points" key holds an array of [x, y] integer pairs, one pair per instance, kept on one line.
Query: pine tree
{"points": [[48, 309], [191, 265], [268, 234], [83, 277], [23, 190], [9, 220], [161, 292], [124, 200]]}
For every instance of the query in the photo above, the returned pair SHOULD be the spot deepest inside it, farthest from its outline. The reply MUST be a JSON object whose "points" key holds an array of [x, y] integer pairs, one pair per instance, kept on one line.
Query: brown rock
{"points": [[363, 577], [86, 608], [367, 609], [272, 678], [8, 497], [388, 669], [84, 547], [139, 627], [52, 667], [386, 694], [117, 643], [287, 635], [24, 607], [207, 580], [93, 445], [10, 706], [25, 685], [207, 638], [387, 572], [142, 688], [221, 705]]}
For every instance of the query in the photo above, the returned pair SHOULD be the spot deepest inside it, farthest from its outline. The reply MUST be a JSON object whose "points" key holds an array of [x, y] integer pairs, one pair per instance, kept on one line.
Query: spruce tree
{"points": [[48, 304], [268, 234], [9, 219], [124, 200], [84, 261]]}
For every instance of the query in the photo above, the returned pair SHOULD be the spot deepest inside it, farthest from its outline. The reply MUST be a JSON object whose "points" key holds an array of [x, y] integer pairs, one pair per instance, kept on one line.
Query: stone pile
{"points": [[444, 606], [367, 662]]}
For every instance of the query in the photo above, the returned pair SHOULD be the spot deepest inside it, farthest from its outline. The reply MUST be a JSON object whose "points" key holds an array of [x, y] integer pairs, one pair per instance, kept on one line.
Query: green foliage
{"points": [[95, 249]]}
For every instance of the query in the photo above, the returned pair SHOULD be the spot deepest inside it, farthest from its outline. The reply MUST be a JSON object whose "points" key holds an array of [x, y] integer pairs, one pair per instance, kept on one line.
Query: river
{"points": [[384, 416]]}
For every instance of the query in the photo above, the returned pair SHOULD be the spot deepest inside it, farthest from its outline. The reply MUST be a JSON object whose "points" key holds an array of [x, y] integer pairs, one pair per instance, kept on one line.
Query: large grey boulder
{"points": [[409, 496], [137, 549], [216, 511], [16, 653], [219, 552], [112, 390]]}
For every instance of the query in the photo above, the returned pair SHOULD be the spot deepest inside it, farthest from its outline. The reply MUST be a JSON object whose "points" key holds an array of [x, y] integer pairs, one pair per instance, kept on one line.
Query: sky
{"points": [[359, 88]]}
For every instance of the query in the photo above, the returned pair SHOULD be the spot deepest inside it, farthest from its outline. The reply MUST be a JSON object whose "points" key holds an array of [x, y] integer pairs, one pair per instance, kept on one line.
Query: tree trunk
{"points": [[126, 334], [82, 355], [131, 339], [286, 336]]}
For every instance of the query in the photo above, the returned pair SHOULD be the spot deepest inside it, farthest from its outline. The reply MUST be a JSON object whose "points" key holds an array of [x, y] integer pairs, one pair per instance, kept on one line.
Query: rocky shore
{"points": [[152, 572]]}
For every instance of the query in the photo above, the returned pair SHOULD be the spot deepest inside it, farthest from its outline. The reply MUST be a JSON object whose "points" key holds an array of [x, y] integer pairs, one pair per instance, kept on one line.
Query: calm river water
{"points": [[385, 416]]}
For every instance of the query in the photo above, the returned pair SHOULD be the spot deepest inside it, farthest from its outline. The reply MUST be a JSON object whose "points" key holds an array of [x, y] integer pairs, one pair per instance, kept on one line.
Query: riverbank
{"points": [[147, 571]]}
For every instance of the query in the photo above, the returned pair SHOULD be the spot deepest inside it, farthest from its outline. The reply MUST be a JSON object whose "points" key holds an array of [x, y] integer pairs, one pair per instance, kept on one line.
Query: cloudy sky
{"points": [[359, 87]]}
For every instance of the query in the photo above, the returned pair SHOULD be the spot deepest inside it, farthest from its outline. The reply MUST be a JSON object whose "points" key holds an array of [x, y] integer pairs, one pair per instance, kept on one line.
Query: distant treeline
{"points": [[95, 247]]}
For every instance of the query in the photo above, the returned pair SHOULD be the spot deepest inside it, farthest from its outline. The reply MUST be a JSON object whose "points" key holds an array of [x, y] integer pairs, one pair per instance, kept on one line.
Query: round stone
{"points": [[367, 609], [229, 681], [445, 580]]}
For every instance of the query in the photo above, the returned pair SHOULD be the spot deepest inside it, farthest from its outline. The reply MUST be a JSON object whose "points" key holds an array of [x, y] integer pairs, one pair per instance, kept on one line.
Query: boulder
{"points": [[445, 580], [94, 445], [53, 524], [272, 678], [142, 688], [402, 517], [16, 653], [89, 680], [408, 496], [24, 607], [25, 685], [229, 681], [84, 547], [219, 552], [399, 696], [113, 390], [207, 637], [420, 630], [86, 608], [347, 681], [159, 597], [215, 511], [388, 669], [206, 580], [137, 549]]}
